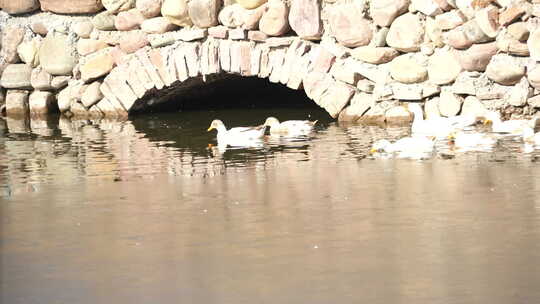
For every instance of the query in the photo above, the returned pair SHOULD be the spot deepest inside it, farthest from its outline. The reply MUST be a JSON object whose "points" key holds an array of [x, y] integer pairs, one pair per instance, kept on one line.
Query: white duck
{"points": [[289, 127], [472, 141], [407, 147], [239, 136], [529, 137], [514, 127], [439, 127]]}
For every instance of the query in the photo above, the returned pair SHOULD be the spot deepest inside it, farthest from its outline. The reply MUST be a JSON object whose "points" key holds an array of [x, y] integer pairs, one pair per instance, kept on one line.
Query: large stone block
{"points": [[71, 6], [92, 94], [305, 18], [41, 80], [384, 12], [97, 66], [274, 22], [336, 97], [115, 6], [204, 13], [149, 8], [349, 27], [12, 36], [16, 76], [41, 102], [406, 33], [57, 54], [176, 11], [19, 6], [17, 103]]}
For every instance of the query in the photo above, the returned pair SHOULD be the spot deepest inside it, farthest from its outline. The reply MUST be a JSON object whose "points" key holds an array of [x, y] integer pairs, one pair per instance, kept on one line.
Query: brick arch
{"points": [[291, 61]]}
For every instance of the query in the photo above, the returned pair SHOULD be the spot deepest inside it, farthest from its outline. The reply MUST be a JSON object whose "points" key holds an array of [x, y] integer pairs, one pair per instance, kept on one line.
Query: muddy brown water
{"points": [[144, 211]]}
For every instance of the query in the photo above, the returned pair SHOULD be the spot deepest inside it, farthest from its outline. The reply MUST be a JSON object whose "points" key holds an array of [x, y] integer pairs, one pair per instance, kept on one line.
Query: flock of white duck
{"points": [[252, 136], [458, 131]]}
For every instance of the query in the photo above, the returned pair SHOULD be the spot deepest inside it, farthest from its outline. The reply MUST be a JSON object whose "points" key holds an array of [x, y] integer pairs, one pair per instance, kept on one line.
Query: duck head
{"points": [[492, 117], [271, 122], [216, 124], [380, 146]]}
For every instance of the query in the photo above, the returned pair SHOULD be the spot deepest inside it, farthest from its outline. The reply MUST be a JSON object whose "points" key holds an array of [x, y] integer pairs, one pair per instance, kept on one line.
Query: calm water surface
{"points": [[145, 211]]}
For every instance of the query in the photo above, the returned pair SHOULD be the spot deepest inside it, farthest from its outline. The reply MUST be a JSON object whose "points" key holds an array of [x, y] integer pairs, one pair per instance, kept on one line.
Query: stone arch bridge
{"points": [[359, 60]]}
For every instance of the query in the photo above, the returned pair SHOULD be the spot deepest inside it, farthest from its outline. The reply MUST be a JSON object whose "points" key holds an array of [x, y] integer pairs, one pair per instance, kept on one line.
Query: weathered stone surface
{"points": [[12, 36], [512, 46], [19, 6], [450, 20], [59, 82], [505, 71], [97, 66], [28, 52], [374, 55], [104, 21], [518, 94], [511, 13], [133, 42], [220, 32], [402, 91], [149, 8], [431, 108], [443, 67], [16, 103], [71, 6], [251, 17], [426, 7], [488, 21], [534, 44], [398, 115], [237, 34], [176, 11], [251, 4], [519, 31], [433, 32], [128, 20], [376, 114], [533, 76], [232, 15], [57, 54], [16, 76], [158, 25], [466, 35], [41, 102], [91, 94], [534, 101], [322, 60], [473, 107], [204, 13], [449, 104], [349, 27], [344, 73], [305, 18], [115, 6], [406, 69], [257, 36], [360, 103], [89, 46], [39, 28], [477, 57], [83, 29], [384, 12], [40, 79], [336, 98], [406, 33], [274, 22]]}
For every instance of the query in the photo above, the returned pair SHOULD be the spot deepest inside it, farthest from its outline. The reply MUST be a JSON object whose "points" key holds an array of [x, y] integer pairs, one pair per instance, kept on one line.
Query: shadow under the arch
{"points": [[228, 92]]}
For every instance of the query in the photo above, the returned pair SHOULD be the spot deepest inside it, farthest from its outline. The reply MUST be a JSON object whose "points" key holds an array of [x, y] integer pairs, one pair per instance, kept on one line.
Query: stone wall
{"points": [[358, 59]]}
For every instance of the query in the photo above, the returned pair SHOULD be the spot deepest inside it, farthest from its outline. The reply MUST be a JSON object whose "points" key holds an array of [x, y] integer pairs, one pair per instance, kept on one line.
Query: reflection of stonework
{"points": [[128, 53]]}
